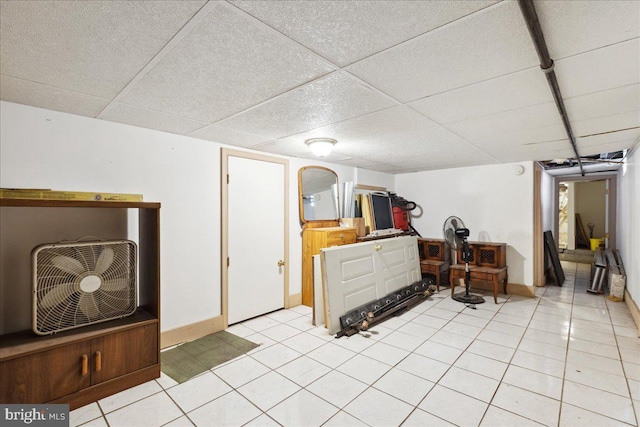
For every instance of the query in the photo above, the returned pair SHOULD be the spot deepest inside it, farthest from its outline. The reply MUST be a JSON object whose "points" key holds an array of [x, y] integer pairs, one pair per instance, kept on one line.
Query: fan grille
{"points": [[78, 284]]}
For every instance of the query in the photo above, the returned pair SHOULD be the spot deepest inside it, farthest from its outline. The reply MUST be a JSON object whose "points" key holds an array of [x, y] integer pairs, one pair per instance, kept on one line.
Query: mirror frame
{"points": [[301, 203]]}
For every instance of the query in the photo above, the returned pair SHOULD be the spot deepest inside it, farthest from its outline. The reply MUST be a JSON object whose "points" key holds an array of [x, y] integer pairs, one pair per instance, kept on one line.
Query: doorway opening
{"points": [[585, 215]]}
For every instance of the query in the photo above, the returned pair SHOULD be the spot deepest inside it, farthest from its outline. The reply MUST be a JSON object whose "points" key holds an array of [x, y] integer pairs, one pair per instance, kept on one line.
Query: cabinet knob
{"points": [[378, 247], [85, 365], [280, 263], [342, 237]]}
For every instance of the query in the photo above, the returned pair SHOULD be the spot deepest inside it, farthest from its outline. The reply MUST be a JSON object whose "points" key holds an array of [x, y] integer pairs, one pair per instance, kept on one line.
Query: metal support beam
{"points": [[546, 64]]}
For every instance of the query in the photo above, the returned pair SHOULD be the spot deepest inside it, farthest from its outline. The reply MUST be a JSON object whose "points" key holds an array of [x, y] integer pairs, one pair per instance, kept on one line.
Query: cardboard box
{"points": [[357, 223]]}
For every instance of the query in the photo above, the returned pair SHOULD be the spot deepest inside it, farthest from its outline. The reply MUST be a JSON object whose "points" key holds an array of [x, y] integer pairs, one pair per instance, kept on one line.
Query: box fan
{"points": [[82, 283]]}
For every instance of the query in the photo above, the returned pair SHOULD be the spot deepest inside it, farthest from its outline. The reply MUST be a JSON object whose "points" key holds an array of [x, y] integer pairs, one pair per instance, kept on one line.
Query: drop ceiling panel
{"points": [[599, 70], [127, 114], [485, 45], [53, 98], [296, 149], [94, 48], [605, 103], [228, 63], [606, 124], [330, 99], [224, 135], [517, 90], [432, 163], [432, 144], [507, 140], [359, 135], [572, 27], [541, 151], [609, 147], [604, 143], [347, 31], [532, 117]]}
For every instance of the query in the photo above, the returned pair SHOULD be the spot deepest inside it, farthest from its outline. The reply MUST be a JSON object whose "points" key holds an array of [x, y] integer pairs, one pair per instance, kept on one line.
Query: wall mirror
{"points": [[317, 194]]}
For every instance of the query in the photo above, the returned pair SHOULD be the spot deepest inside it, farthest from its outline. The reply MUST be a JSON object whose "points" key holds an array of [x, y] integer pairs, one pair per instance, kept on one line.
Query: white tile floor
{"points": [[564, 358]]}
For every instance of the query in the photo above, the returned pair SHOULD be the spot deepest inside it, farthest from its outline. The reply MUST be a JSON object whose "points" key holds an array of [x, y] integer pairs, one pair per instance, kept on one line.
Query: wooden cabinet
{"points": [[86, 364], [488, 263], [486, 254], [435, 258], [314, 239]]}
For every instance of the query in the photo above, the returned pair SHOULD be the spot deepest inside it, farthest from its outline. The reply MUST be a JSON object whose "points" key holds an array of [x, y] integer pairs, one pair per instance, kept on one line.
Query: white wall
{"points": [[628, 228], [547, 195], [494, 203], [46, 149]]}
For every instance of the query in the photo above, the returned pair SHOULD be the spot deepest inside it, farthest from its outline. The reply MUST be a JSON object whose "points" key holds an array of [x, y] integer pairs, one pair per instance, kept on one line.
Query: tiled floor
{"points": [[565, 358]]}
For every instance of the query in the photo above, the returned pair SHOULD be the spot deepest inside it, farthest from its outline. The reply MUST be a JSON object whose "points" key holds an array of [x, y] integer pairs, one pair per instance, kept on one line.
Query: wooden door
{"points": [[361, 273], [45, 376], [124, 352], [256, 213]]}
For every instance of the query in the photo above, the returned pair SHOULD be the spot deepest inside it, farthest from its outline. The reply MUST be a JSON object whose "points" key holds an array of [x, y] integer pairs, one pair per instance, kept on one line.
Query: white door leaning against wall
{"points": [[256, 237]]}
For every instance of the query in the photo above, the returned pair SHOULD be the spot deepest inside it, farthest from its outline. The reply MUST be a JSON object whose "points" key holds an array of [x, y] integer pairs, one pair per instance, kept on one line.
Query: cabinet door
{"points": [[45, 376], [123, 352]]}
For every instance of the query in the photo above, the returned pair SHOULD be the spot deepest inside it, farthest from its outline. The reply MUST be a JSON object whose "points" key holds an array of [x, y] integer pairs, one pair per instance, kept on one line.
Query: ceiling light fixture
{"points": [[321, 147]]}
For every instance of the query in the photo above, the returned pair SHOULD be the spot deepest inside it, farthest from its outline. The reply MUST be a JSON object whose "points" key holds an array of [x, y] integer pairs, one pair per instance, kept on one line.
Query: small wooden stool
{"points": [[434, 267], [486, 274]]}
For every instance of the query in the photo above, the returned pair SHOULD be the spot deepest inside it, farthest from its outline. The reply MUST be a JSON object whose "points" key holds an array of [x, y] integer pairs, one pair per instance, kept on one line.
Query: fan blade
{"points": [[450, 237], [57, 295], [87, 306], [104, 261], [114, 285], [68, 264]]}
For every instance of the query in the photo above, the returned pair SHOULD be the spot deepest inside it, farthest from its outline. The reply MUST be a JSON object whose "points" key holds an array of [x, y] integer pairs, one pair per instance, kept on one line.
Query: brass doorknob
{"points": [[280, 263]]}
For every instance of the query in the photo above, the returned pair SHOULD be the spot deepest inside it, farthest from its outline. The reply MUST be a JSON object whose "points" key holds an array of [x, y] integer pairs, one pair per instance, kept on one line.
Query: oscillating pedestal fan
{"points": [[455, 234]]}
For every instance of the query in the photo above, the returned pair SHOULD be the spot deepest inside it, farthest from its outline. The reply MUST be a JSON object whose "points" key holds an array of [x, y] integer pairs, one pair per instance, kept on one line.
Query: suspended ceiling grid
{"points": [[403, 86]]}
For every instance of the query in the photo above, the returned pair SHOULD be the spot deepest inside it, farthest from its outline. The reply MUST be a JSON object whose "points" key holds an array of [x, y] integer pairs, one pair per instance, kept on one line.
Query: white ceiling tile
{"points": [[610, 147], [485, 45], [347, 31], [296, 149], [517, 90], [572, 27], [507, 140], [605, 103], [123, 113], [361, 133], [542, 151], [602, 143], [532, 117], [599, 70], [90, 47], [226, 64], [224, 135], [606, 124], [53, 98], [362, 163], [330, 99], [472, 158]]}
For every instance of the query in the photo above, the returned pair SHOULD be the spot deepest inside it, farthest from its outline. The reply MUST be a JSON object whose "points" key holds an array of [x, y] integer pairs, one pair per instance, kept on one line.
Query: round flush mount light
{"points": [[321, 147]]}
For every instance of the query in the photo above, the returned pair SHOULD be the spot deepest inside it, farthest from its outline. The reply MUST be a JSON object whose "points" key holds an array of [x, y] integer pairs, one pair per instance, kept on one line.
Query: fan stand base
{"points": [[468, 298]]}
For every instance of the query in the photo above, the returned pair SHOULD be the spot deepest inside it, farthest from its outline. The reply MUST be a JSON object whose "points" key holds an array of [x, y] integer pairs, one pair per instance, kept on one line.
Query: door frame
{"points": [[611, 182], [225, 153]]}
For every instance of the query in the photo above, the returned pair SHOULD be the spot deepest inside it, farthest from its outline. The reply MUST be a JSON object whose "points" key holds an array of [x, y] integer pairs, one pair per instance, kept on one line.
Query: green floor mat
{"points": [[190, 359]]}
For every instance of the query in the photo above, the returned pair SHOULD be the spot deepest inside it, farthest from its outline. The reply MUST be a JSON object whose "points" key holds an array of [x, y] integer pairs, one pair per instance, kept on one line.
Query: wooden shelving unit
{"points": [[92, 362]]}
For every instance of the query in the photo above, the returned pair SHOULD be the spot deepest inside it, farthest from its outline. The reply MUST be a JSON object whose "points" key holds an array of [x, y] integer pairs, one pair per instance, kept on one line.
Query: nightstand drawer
{"points": [[341, 237]]}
